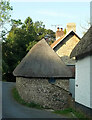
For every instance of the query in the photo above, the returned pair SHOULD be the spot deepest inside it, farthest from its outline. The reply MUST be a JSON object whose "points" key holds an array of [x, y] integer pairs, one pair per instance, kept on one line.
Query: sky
{"points": [[53, 13]]}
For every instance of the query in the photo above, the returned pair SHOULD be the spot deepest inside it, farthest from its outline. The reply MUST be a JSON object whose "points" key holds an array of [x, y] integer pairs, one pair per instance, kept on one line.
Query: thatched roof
{"points": [[42, 61], [84, 47]]}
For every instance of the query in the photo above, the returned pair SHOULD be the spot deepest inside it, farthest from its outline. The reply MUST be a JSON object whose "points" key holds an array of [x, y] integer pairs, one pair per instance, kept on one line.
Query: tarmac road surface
{"points": [[12, 109]]}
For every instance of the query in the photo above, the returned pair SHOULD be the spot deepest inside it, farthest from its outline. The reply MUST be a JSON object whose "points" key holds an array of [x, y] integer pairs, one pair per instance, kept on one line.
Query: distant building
{"points": [[64, 44], [83, 78]]}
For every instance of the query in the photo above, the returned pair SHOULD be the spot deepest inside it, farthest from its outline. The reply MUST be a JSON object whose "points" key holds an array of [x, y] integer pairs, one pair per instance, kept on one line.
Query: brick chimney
{"points": [[71, 26], [59, 33]]}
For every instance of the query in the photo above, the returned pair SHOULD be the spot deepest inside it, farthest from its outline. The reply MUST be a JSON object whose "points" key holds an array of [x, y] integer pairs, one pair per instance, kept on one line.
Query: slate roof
{"points": [[42, 61], [56, 42]]}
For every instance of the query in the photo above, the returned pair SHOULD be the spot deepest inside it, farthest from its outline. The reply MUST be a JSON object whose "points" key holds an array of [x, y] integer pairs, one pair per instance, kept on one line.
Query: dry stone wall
{"points": [[44, 93]]}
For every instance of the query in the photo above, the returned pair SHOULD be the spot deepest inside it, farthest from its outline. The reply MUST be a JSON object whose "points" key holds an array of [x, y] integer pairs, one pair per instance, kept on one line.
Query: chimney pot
{"points": [[57, 28], [61, 29], [59, 32]]}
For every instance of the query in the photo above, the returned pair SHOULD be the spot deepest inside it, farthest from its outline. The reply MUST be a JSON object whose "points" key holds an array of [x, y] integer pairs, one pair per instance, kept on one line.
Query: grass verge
{"points": [[71, 113], [17, 97]]}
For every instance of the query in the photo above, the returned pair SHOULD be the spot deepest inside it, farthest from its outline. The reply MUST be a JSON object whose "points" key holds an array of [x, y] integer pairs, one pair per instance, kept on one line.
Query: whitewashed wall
{"points": [[82, 82]]}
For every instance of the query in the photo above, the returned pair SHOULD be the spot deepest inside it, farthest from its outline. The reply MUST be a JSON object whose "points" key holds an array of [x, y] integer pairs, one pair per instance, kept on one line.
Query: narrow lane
{"points": [[12, 109]]}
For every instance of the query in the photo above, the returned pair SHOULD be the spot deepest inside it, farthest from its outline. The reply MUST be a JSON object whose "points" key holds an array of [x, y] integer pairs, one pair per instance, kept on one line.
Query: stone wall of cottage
{"points": [[49, 95]]}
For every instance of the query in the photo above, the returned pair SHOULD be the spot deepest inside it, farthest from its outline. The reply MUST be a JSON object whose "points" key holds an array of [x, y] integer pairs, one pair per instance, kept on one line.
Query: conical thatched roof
{"points": [[42, 61], [84, 47]]}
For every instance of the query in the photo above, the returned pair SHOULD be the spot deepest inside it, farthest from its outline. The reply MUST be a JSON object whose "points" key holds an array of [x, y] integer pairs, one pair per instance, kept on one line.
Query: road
{"points": [[12, 109]]}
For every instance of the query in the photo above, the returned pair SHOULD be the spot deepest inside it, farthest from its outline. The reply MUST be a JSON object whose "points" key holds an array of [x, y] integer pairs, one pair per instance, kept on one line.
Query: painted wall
{"points": [[64, 49], [82, 82]]}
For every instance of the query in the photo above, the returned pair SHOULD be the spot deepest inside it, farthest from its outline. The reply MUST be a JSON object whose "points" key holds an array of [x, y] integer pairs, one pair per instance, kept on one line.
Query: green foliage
{"points": [[66, 111], [21, 101], [15, 48], [15, 23], [39, 29], [30, 45], [70, 112], [5, 8], [41, 32], [65, 31], [5, 16], [19, 41], [50, 42], [51, 33]]}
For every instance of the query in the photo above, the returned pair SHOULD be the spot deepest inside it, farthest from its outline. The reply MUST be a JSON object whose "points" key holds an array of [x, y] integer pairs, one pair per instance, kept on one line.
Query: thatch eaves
{"points": [[42, 62], [84, 47]]}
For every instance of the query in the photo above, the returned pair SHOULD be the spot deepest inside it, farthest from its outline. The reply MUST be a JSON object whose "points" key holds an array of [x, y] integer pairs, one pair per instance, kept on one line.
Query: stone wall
{"points": [[54, 96]]}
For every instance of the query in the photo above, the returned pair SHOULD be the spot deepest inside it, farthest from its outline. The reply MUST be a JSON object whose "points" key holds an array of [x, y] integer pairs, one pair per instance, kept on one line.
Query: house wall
{"points": [[44, 93], [82, 82], [64, 49]]}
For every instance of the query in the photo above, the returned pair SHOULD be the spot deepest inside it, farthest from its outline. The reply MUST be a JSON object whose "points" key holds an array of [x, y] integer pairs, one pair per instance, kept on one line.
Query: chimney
{"points": [[61, 29], [71, 26], [59, 33], [57, 28]]}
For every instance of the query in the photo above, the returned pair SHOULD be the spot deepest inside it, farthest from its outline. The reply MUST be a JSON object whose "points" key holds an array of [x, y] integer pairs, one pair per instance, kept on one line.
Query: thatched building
{"points": [[83, 78], [39, 77]]}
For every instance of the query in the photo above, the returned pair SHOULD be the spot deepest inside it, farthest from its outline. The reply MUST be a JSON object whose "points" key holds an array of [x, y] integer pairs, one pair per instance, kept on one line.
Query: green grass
{"points": [[71, 113], [21, 101]]}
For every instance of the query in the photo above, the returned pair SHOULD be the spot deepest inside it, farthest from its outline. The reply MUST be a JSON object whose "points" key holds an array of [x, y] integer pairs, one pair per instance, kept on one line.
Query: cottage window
{"points": [[51, 80]]}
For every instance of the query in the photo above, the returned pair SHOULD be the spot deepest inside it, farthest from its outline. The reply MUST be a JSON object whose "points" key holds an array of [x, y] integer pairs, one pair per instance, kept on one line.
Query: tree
{"points": [[85, 26], [17, 44], [39, 29], [65, 31], [21, 38], [5, 9], [14, 49], [15, 23], [50, 33]]}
